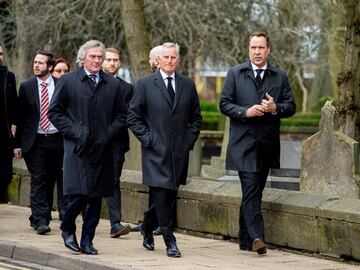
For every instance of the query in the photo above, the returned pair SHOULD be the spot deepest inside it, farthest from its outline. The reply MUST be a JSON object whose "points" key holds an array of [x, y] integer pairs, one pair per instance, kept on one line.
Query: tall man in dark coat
{"points": [[164, 115], [38, 141], [121, 145], [255, 96], [90, 110], [8, 107]]}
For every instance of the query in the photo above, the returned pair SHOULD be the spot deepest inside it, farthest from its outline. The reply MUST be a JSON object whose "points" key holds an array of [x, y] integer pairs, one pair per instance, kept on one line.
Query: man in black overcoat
{"points": [[255, 96], [164, 115], [8, 110], [90, 110]]}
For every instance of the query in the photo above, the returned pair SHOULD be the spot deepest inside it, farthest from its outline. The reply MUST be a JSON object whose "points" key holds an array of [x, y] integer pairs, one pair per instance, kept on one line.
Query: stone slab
{"points": [[6, 249], [344, 209]]}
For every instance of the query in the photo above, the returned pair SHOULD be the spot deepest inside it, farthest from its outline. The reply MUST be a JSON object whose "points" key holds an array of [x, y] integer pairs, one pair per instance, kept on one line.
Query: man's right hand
{"points": [[255, 110], [17, 153]]}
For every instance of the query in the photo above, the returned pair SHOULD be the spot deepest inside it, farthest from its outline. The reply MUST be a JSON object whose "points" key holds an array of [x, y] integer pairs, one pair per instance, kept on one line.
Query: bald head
{"points": [[153, 55]]}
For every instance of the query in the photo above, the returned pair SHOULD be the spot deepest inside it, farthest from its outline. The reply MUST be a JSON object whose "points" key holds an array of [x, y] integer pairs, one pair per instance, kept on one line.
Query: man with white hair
{"points": [[89, 108], [164, 115], [153, 57]]}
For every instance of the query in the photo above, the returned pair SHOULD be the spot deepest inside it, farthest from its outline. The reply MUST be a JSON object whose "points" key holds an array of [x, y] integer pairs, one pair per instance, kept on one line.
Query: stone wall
{"points": [[304, 221]]}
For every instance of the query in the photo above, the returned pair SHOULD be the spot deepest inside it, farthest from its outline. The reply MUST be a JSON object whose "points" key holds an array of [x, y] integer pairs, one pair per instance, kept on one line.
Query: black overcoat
{"points": [[167, 132], [254, 141], [90, 118]]}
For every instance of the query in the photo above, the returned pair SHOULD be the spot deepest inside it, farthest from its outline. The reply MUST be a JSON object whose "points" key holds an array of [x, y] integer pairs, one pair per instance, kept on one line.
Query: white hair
{"points": [[86, 46], [167, 45]]}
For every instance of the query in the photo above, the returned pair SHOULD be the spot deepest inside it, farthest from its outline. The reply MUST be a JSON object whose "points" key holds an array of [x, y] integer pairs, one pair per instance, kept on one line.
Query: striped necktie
{"points": [[44, 120]]}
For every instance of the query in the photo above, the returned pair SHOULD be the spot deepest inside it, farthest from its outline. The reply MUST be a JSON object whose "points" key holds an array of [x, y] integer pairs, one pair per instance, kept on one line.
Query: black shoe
{"points": [[148, 242], [70, 241], [43, 229], [172, 250], [117, 229], [89, 250], [136, 228], [259, 246], [157, 231]]}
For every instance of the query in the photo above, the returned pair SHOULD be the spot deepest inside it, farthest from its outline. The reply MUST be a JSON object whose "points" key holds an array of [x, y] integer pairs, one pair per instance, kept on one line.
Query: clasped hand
{"points": [[267, 106]]}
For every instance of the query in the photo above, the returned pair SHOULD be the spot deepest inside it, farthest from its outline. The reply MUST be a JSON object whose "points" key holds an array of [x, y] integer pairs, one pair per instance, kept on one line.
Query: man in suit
{"points": [[8, 107], [111, 66], [38, 141], [255, 96], [89, 108], [164, 115]]}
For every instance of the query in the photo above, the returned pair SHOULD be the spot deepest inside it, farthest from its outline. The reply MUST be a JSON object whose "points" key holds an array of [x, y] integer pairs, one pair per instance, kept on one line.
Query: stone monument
{"points": [[330, 160]]}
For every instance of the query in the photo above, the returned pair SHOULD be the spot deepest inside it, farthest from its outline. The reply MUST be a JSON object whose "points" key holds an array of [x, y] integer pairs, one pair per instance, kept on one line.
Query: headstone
{"points": [[330, 160]]}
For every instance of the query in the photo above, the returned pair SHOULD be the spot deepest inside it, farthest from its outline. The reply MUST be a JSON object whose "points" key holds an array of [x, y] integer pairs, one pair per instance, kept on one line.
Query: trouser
{"points": [[251, 221], [160, 213], [114, 202], [6, 171], [91, 216], [44, 162]]}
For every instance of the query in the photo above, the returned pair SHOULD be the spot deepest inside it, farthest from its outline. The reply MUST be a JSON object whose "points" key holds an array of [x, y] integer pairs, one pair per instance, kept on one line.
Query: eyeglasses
{"points": [[61, 70]]}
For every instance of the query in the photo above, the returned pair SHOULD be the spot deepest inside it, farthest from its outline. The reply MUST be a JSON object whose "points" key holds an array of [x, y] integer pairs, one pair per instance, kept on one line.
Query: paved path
{"points": [[19, 241]]}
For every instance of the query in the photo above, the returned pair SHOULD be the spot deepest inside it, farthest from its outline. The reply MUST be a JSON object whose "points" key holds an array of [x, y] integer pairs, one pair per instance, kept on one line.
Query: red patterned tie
{"points": [[44, 120]]}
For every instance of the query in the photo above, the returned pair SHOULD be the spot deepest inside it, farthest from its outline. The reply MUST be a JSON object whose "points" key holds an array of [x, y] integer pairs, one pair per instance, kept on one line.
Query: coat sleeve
{"points": [[285, 106], [60, 116], [195, 117], [20, 117], [135, 119], [227, 102]]}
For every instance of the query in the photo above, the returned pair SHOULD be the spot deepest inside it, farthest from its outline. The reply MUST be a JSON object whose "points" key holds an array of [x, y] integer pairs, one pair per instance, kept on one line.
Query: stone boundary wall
{"points": [[304, 221]]}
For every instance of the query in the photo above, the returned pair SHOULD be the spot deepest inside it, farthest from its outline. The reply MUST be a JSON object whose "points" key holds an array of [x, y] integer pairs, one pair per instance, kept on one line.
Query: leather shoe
{"points": [[136, 228], [118, 229], [89, 250], [259, 246], [70, 241], [157, 231], [172, 250], [148, 242], [43, 229]]}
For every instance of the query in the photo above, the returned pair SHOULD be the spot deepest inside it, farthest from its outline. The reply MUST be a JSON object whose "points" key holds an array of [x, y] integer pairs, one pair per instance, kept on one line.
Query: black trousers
{"points": [[91, 208], [161, 212], [251, 221], [114, 203], [44, 162], [6, 170]]}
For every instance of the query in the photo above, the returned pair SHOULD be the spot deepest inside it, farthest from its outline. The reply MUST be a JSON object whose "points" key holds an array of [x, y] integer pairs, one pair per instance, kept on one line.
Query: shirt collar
{"points": [[49, 80], [164, 75], [255, 67], [88, 73]]}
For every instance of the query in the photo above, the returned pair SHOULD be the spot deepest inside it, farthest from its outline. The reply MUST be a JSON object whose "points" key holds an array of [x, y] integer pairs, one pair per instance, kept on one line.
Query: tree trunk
{"points": [[137, 36], [348, 105]]}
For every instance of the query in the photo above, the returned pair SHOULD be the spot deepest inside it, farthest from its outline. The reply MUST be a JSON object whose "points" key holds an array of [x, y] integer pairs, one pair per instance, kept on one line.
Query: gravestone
{"points": [[330, 160]]}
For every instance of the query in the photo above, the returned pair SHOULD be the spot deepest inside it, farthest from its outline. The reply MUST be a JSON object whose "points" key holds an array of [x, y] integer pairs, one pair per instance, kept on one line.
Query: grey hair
{"points": [[167, 45], [89, 45]]}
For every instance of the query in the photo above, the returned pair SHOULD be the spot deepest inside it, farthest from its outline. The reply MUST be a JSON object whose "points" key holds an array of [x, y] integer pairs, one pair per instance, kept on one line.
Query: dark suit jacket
{"points": [[8, 103], [123, 141], [29, 114], [167, 131]]}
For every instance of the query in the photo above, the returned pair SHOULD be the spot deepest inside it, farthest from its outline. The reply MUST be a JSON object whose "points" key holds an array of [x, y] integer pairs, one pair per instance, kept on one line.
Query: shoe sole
{"points": [[42, 232], [174, 255], [259, 246], [123, 231]]}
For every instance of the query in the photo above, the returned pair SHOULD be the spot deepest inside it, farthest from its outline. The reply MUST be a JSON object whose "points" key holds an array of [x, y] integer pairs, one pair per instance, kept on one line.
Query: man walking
{"points": [[38, 141], [8, 107], [255, 96], [164, 115], [111, 66], [90, 110]]}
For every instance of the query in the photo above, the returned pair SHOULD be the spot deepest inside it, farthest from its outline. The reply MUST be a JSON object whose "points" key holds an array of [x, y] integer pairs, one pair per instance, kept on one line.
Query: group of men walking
{"points": [[74, 129]]}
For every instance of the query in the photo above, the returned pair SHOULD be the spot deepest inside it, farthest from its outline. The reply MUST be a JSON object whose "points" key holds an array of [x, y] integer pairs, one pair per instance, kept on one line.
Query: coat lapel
{"points": [[159, 82], [35, 93], [178, 88]]}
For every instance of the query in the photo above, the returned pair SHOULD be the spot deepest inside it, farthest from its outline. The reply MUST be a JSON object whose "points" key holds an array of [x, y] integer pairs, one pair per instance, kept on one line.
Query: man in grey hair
{"points": [[164, 115], [89, 108]]}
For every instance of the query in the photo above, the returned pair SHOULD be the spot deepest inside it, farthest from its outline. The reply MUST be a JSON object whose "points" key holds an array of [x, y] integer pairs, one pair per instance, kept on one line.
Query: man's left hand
{"points": [[268, 105]]}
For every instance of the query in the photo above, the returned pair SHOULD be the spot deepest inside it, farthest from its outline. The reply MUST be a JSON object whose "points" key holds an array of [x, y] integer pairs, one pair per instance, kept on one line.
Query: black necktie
{"points": [[258, 77], [170, 89]]}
